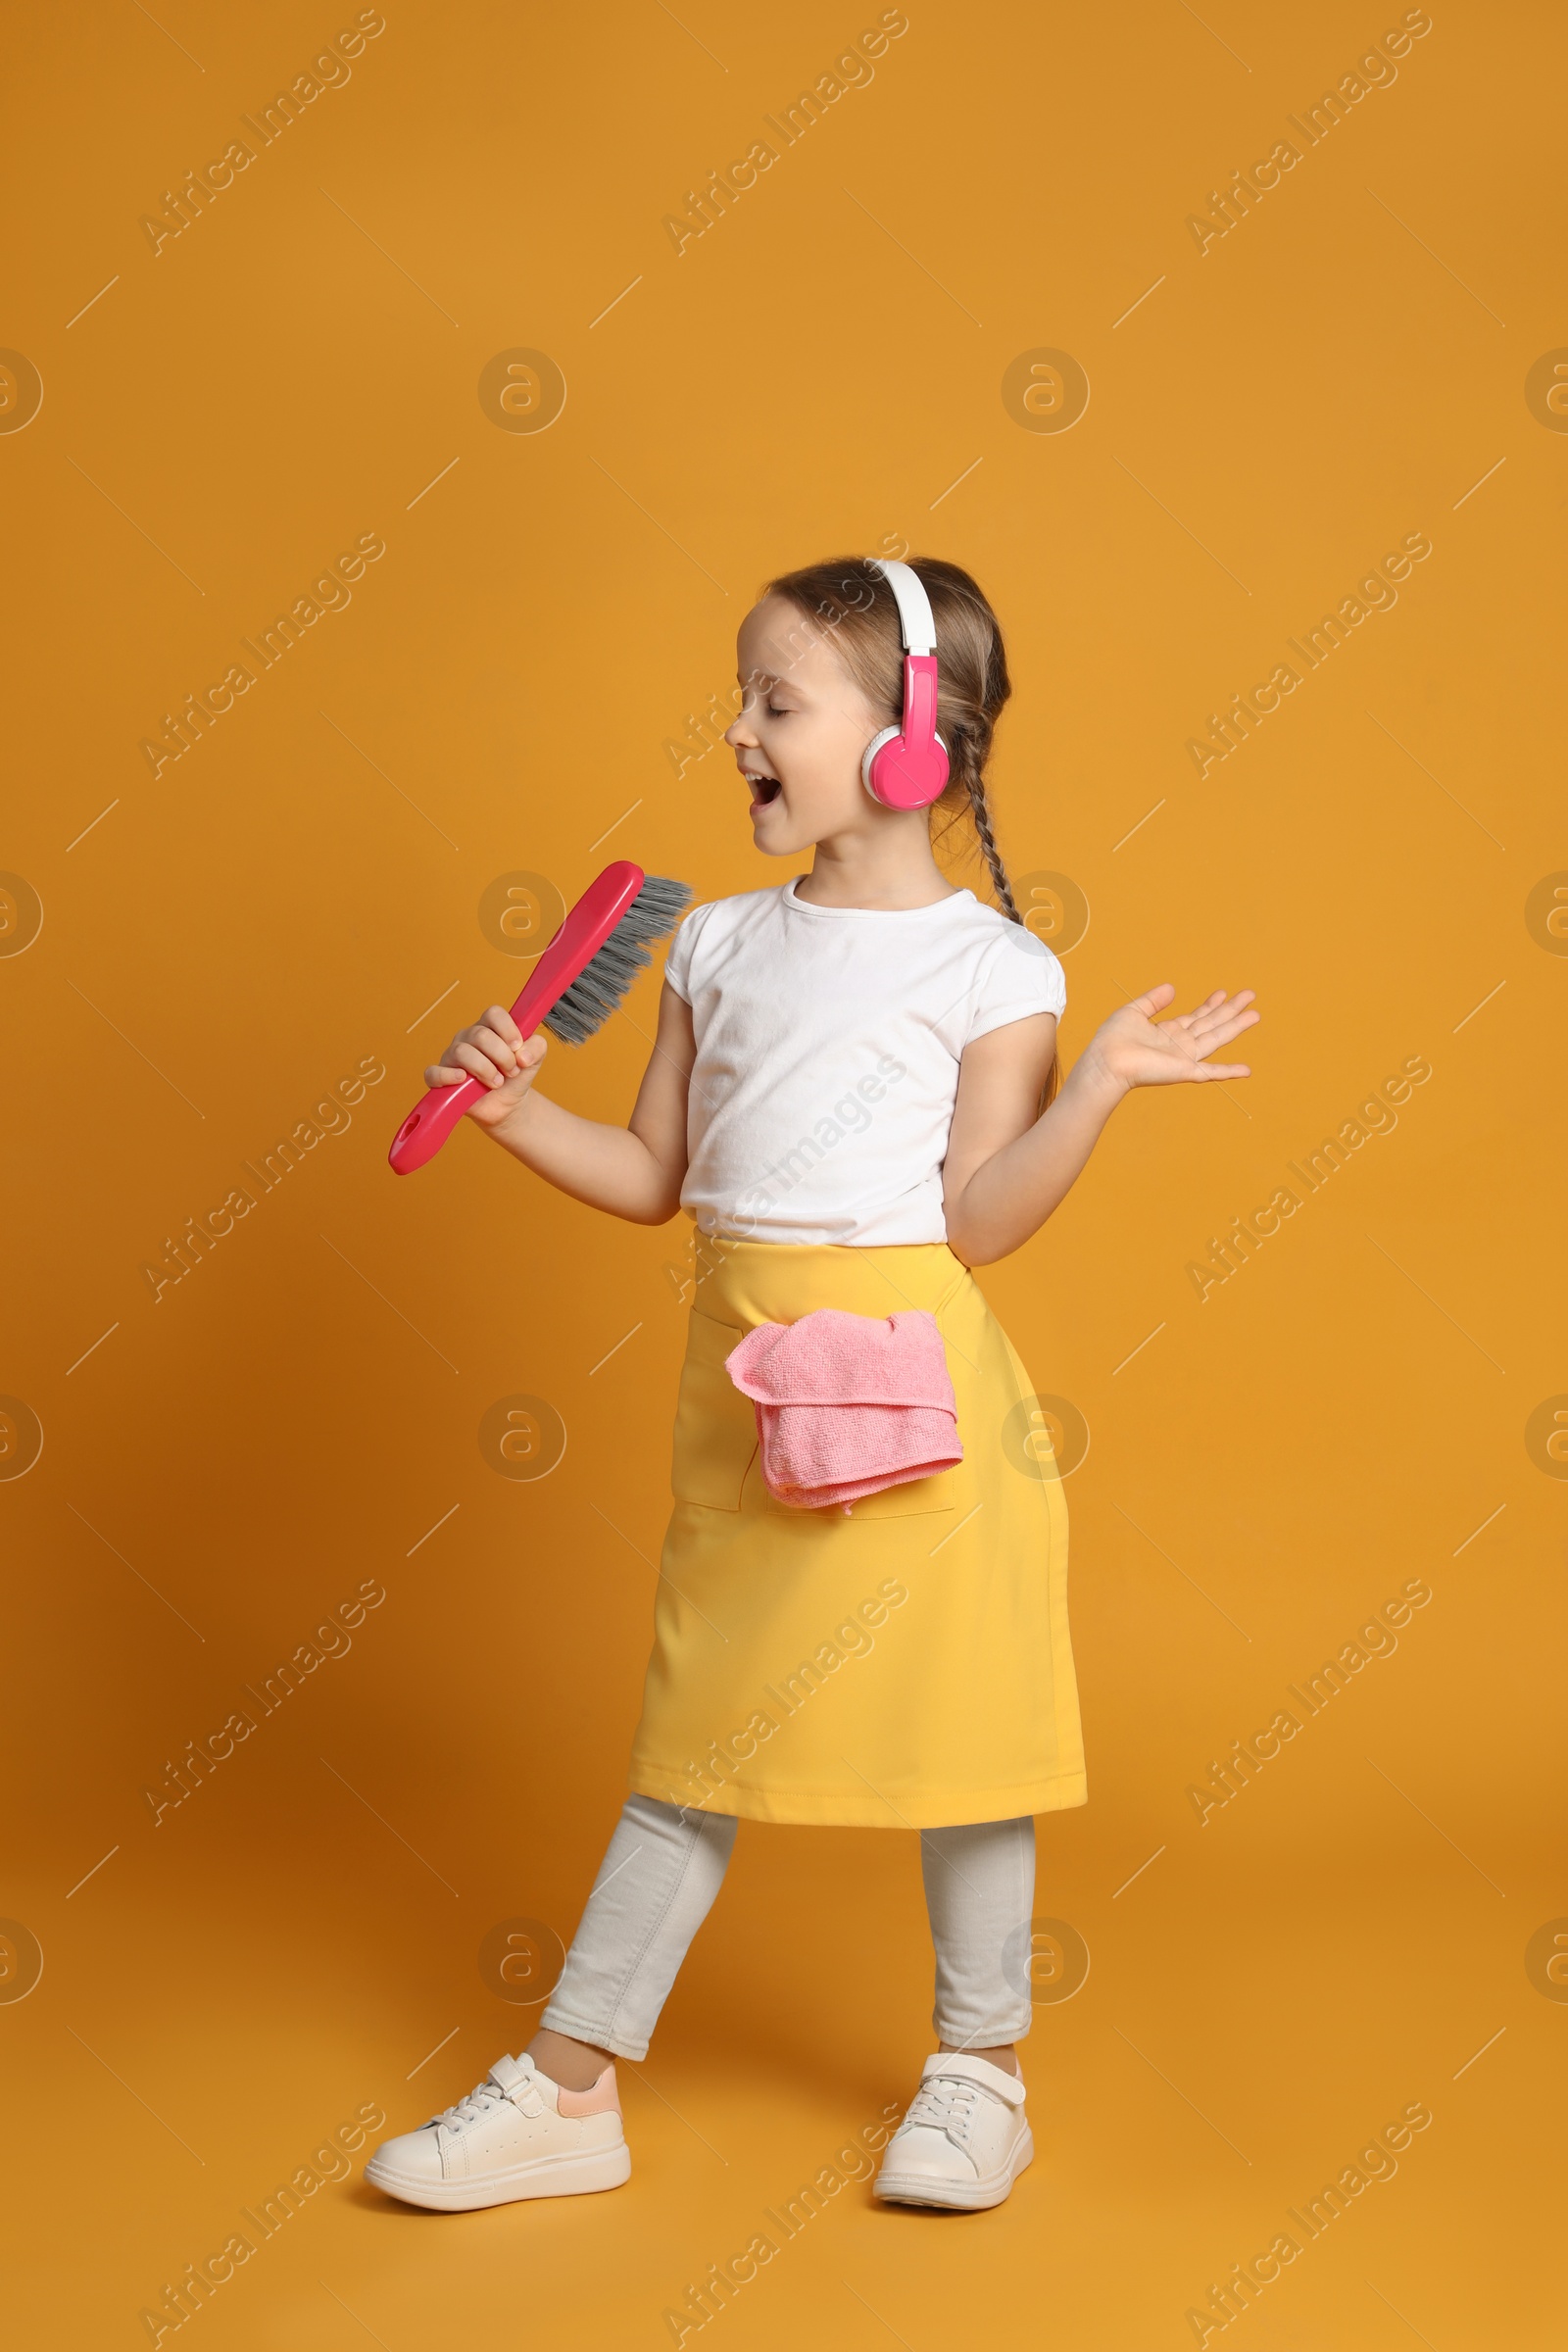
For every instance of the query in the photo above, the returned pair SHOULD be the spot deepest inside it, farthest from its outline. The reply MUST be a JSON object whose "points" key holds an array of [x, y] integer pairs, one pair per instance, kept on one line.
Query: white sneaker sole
{"points": [[962, 2196], [541, 2177]]}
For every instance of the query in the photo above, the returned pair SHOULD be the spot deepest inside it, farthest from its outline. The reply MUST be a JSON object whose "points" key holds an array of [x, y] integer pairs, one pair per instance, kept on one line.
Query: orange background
{"points": [[223, 941]]}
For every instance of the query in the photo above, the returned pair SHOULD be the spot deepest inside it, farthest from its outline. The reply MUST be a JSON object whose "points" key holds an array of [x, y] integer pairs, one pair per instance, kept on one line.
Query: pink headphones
{"points": [[907, 768]]}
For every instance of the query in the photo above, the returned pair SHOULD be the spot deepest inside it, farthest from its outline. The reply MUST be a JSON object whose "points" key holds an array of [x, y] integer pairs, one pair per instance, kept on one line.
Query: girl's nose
{"points": [[741, 733]]}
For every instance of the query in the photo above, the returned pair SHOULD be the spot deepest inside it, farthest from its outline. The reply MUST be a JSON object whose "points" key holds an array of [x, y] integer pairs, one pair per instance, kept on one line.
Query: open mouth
{"points": [[763, 789]]}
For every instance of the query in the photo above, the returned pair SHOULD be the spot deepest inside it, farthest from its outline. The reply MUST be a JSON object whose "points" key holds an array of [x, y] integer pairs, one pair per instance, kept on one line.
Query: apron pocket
{"points": [[716, 1426], [916, 1498]]}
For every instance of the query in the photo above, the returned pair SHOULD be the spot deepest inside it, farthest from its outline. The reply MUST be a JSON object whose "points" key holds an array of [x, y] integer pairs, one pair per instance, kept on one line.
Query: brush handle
{"points": [[568, 954]]}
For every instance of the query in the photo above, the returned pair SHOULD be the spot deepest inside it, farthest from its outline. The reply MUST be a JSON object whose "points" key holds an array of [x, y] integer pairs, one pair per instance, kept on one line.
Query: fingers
{"points": [[1220, 1027], [1218, 1018], [500, 1051], [1154, 1000], [461, 1060], [1201, 1014], [498, 1020], [1187, 1040], [483, 1056], [1231, 1016], [494, 1051]]}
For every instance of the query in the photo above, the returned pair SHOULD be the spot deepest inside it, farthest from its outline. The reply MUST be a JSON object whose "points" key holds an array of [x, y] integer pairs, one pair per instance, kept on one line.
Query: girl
{"points": [[854, 1091]]}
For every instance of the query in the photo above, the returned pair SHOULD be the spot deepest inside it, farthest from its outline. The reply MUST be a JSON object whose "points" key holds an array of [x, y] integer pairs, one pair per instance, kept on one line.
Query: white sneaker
{"points": [[964, 2140], [518, 2136]]}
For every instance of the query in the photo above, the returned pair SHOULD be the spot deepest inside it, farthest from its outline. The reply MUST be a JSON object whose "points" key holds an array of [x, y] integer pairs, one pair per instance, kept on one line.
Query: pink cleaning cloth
{"points": [[848, 1404]]}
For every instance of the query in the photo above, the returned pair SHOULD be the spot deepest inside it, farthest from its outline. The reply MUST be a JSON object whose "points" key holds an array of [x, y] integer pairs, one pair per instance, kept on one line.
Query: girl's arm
{"points": [[1006, 1168], [635, 1171]]}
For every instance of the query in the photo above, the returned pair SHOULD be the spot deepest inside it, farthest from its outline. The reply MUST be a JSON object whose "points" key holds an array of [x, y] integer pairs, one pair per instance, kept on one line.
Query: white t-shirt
{"points": [[828, 1041]]}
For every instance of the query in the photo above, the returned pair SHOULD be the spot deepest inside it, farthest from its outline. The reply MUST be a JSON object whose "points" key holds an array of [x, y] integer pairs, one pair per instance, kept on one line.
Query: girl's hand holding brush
{"points": [[496, 1053]]}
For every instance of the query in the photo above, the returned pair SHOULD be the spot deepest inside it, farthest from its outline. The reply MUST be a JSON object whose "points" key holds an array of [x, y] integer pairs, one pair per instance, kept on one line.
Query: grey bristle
{"points": [[586, 1005]]}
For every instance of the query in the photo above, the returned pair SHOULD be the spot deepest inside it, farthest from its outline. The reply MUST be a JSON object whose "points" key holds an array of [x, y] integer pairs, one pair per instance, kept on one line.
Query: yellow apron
{"points": [[905, 1665]]}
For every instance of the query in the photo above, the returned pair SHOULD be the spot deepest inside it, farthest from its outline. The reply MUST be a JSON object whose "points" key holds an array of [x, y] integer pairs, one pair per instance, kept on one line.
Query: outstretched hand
{"points": [[1136, 1051]]}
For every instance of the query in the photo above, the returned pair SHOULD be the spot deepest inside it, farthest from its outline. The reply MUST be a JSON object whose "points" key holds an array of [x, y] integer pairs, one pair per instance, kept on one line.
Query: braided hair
{"points": [[855, 605]]}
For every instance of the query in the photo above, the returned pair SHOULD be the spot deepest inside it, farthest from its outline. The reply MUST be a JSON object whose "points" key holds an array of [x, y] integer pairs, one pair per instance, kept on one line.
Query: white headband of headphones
{"points": [[917, 622]]}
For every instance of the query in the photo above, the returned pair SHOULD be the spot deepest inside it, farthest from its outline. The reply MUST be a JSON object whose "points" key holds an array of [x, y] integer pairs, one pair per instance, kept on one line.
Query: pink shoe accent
{"points": [[600, 2098]]}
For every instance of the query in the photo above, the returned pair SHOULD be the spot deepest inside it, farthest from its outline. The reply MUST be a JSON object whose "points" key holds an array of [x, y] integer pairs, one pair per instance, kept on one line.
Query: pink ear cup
{"points": [[907, 768]]}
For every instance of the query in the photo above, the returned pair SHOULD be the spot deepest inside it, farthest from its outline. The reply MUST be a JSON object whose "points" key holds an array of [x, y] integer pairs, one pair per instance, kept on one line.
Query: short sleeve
{"points": [[1021, 977], [678, 962]]}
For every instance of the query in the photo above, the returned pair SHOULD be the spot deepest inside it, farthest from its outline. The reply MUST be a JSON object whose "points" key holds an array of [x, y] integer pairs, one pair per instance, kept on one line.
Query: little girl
{"points": [[855, 1092]]}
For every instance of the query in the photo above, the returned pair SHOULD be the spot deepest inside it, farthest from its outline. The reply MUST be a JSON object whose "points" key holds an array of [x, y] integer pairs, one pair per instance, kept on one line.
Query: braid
{"points": [[971, 772], [970, 730], [970, 751]]}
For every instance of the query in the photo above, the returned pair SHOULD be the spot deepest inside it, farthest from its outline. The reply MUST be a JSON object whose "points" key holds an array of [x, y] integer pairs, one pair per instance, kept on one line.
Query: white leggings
{"points": [[664, 1865]]}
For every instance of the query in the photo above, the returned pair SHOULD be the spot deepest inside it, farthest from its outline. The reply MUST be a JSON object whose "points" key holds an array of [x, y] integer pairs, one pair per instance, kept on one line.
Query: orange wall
{"points": [[843, 362]]}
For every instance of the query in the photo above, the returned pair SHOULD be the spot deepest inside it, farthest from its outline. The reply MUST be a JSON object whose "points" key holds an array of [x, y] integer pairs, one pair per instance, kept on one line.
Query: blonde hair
{"points": [[855, 605]]}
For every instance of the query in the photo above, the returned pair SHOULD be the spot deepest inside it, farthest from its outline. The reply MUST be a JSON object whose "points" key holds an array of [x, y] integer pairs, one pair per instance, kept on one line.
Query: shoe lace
{"points": [[946, 2103], [470, 2107], [475, 2104]]}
